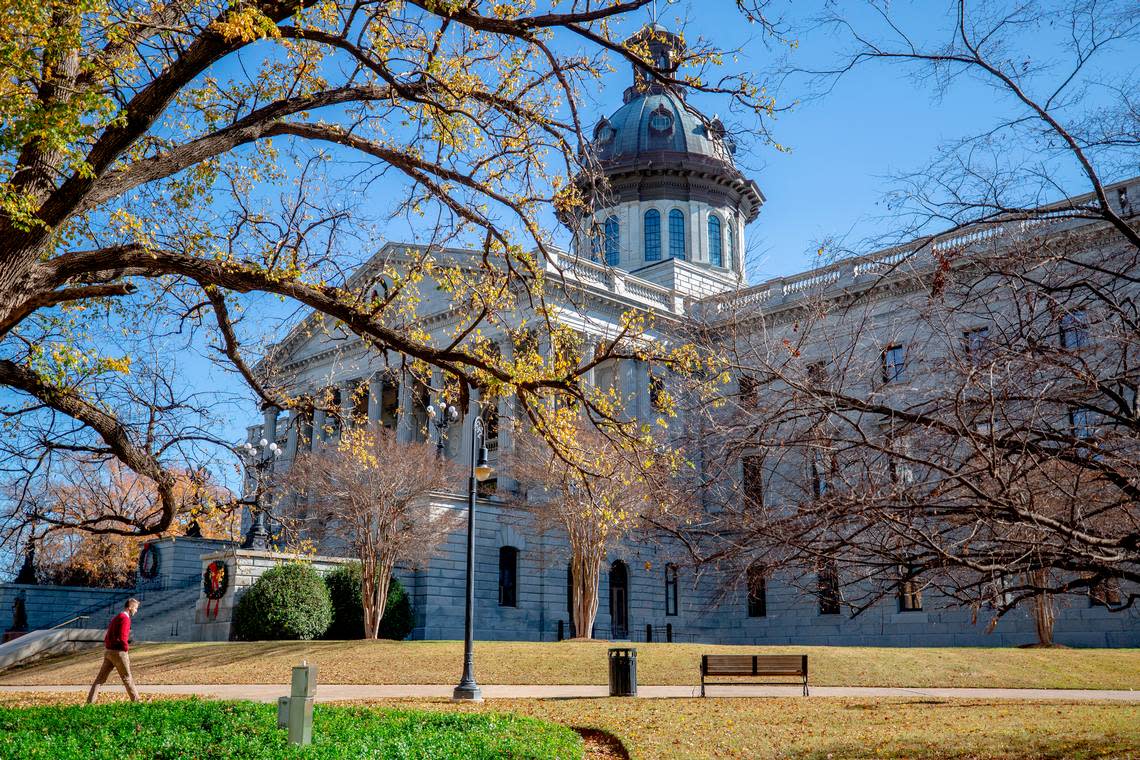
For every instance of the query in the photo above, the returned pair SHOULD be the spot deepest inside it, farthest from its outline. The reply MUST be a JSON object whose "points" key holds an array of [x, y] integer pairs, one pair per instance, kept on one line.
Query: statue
{"points": [[20, 613]]}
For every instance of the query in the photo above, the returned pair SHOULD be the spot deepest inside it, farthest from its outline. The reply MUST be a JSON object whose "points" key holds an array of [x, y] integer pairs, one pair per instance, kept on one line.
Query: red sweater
{"points": [[118, 633]]}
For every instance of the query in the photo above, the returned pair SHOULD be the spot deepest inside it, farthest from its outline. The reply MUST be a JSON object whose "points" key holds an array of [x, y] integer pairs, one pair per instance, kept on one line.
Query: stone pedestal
{"points": [[213, 619]]}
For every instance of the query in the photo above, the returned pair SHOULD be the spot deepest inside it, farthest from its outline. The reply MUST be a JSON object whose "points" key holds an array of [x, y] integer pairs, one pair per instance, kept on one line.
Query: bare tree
{"points": [[597, 494], [957, 411], [373, 493]]}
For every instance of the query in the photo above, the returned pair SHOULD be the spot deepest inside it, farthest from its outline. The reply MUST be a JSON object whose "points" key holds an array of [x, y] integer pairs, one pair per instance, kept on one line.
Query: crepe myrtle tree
{"points": [[370, 493], [597, 494], [162, 164]]}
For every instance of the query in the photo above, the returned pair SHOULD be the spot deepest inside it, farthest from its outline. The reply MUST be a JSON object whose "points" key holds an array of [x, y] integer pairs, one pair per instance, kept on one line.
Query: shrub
{"points": [[348, 608], [289, 601]]}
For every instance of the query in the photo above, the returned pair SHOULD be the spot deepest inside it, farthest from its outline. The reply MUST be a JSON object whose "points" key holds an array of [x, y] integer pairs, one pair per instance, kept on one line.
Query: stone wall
{"points": [[708, 610], [213, 620], [50, 605]]}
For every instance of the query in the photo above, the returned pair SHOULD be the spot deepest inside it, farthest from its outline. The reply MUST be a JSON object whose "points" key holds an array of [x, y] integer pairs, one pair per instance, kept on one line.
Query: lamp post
{"points": [[442, 415], [480, 471], [258, 459]]}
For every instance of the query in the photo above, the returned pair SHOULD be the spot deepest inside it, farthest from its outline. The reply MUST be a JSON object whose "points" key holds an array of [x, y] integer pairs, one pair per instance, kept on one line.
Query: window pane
{"points": [[652, 235], [508, 576], [715, 256], [1074, 330], [676, 234], [829, 590], [731, 245], [894, 364], [670, 589], [757, 591], [613, 255]]}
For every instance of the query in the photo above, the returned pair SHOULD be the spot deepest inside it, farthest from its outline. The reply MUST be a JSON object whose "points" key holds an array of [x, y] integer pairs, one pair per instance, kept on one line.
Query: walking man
{"points": [[115, 655]]}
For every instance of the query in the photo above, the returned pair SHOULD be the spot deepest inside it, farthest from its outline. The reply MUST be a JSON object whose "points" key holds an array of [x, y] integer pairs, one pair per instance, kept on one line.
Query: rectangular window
{"points": [[748, 387], [828, 582], [894, 364], [821, 466], [1074, 330], [910, 592], [976, 342], [1081, 422], [670, 590], [817, 374], [658, 399], [757, 590], [752, 481], [508, 576], [1128, 397]]}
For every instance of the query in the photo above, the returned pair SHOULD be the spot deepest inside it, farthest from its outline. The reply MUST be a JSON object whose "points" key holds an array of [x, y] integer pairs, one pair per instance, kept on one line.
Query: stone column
{"points": [[375, 401], [269, 428], [506, 425], [295, 421], [462, 450], [318, 425], [404, 423], [347, 405], [589, 346], [630, 384]]}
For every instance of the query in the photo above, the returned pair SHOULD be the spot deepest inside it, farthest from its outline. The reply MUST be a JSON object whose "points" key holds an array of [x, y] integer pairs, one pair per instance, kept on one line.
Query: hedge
{"points": [[348, 607], [289, 601]]}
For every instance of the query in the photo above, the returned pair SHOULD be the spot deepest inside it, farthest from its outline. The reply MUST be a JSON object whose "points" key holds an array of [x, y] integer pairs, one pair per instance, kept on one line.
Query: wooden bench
{"points": [[790, 665]]}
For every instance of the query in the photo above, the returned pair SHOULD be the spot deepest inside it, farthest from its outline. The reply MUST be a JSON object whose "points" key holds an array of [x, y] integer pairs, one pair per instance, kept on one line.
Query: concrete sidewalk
{"points": [[338, 692]]}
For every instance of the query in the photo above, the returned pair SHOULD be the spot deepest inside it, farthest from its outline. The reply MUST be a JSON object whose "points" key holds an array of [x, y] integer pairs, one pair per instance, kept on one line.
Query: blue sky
{"points": [[845, 144]]}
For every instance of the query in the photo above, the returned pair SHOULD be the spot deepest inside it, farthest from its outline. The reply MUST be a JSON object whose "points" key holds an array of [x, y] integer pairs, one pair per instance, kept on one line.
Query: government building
{"points": [[670, 241]]}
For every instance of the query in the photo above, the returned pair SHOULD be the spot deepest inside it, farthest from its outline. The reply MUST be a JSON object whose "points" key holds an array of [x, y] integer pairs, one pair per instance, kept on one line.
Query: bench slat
{"points": [[752, 665]]}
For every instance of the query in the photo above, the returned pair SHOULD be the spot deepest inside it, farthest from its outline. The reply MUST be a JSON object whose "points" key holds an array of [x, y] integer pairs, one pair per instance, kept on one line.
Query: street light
{"points": [[259, 461], [442, 415], [480, 471]]}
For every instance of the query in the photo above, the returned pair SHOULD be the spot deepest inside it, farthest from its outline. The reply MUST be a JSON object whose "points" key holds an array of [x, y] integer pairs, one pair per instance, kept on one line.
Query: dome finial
{"points": [[665, 50]]}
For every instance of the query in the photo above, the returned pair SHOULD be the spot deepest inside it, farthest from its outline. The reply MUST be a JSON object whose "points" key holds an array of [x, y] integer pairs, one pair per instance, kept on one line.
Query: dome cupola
{"points": [[664, 183]]}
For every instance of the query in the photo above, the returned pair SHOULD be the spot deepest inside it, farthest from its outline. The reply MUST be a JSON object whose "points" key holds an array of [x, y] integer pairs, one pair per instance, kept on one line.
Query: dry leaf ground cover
{"points": [[436, 662], [695, 729]]}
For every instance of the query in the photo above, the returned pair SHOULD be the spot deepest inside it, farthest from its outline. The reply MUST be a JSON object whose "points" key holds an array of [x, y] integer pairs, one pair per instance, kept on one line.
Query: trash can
{"points": [[623, 672]]}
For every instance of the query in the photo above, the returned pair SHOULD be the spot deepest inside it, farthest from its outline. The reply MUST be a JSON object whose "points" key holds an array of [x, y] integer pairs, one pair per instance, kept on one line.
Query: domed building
{"points": [[670, 206], [664, 236]]}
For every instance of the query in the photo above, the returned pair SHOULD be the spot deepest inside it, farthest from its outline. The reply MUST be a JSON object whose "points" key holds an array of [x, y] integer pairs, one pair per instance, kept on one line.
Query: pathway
{"points": [[338, 692]]}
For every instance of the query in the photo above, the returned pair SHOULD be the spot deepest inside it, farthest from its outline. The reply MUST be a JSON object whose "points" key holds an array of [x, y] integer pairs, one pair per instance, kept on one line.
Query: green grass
{"points": [[192, 729], [437, 662]]}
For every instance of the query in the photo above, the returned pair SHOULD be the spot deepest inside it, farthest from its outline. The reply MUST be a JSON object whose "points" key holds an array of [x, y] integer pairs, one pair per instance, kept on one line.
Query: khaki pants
{"points": [[121, 662]]}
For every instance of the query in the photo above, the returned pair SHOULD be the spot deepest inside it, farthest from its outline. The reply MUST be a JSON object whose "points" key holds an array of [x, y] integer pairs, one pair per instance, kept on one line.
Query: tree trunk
{"points": [[375, 580], [1044, 615], [586, 572]]}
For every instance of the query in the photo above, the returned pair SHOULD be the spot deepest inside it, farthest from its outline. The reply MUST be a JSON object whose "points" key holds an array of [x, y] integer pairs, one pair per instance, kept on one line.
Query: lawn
{"points": [[437, 662], [695, 729], [248, 731]]}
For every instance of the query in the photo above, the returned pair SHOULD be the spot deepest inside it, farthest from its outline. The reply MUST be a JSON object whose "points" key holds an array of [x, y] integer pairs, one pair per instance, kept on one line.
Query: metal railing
{"points": [[69, 621]]}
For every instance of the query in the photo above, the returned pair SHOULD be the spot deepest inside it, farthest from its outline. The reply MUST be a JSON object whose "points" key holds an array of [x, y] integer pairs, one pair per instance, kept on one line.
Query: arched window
{"points": [[670, 589], [716, 255], [652, 235], [611, 241], [676, 234], [508, 576], [731, 245], [757, 590]]}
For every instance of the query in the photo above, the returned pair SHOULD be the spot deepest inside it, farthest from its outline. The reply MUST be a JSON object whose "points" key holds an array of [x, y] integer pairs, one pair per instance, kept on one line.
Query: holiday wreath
{"points": [[148, 562], [215, 581]]}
